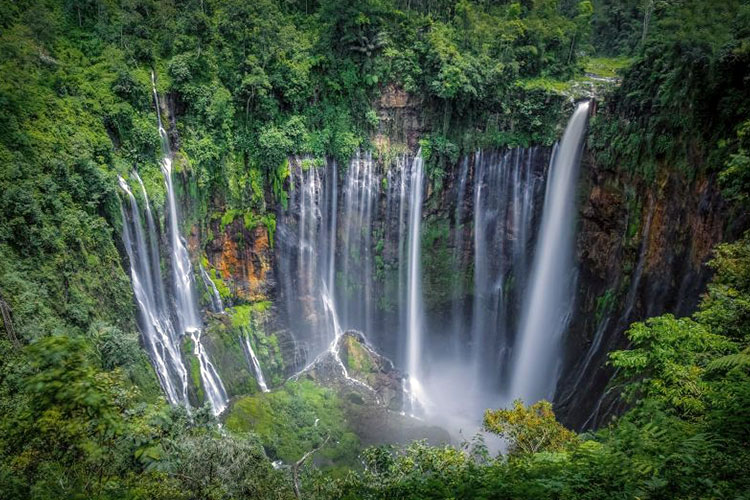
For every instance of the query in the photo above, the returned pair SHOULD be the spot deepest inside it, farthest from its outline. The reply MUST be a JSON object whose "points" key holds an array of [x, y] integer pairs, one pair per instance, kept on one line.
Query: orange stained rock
{"points": [[244, 261]]}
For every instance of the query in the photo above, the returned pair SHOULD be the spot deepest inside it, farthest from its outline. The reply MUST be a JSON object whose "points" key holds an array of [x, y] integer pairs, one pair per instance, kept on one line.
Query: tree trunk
{"points": [[647, 19]]}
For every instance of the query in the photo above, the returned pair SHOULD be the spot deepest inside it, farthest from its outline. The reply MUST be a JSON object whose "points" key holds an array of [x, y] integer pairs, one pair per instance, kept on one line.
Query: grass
{"points": [[606, 67], [295, 419], [546, 84]]}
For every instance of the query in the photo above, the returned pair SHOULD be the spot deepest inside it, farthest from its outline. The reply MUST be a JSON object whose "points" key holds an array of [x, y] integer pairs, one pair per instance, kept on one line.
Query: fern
{"points": [[725, 363]]}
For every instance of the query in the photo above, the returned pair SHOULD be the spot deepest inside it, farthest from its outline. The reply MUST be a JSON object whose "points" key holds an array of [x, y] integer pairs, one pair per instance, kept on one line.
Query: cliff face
{"points": [[400, 120], [642, 249], [243, 257]]}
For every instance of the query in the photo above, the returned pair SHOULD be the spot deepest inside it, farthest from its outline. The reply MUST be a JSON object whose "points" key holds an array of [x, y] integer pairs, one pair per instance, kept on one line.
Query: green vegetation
{"points": [[438, 263], [73, 429], [218, 282], [244, 85], [529, 430], [357, 360], [606, 67], [687, 383], [684, 98], [604, 304], [295, 420], [249, 321], [224, 344]]}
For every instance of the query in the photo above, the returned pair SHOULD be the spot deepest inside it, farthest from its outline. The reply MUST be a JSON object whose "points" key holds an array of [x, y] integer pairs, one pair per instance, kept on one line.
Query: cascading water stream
{"points": [[159, 335], [182, 281], [331, 248], [161, 297], [326, 257], [212, 385], [402, 240], [414, 307], [216, 303], [506, 188], [360, 192], [547, 305], [457, 319], [218, 307], [252, 360]]}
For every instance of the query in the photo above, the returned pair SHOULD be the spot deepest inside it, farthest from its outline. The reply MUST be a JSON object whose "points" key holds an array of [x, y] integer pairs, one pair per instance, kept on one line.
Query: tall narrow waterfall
{"points": [[414, 307], [360, 194], [254, 363], [458, 321], [188, 319], [548, 304]]}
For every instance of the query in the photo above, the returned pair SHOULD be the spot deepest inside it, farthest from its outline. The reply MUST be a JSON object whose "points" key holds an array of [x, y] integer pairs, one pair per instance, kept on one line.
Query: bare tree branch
{"points": [[8, 322], [298, 464]]}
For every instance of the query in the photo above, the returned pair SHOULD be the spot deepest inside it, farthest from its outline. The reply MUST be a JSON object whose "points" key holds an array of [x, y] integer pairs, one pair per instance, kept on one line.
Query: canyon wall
{"points": [[641, 250]]}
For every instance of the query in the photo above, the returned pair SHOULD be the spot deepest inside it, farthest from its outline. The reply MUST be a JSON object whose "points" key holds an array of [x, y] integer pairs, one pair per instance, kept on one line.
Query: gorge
{"points": [[374, 249]]}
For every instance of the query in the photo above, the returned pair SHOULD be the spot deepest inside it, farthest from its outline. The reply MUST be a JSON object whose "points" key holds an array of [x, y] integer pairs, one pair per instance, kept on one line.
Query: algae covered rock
{"points": [[371, 392], [357, 372]]}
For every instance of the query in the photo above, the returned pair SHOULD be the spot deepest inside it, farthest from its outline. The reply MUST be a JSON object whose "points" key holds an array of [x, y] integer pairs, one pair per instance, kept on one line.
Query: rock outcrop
{"points": [[400, 120], [242, 256], [372, 391], [357, 372]]}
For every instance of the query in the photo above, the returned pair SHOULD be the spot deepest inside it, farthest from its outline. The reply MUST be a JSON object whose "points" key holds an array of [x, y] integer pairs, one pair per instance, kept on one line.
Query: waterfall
{"points": [[360, 193], [153, 249], [332, 205], [307, 246], [457, 298], [252, 360], [402, 240], [182, 270], [325, 264], [506, 188], [414, 286], [182, 280], [217, 305], [349, 257], [212, 385], [414, 306], [159, 336], [254, 363], [547, 305]]}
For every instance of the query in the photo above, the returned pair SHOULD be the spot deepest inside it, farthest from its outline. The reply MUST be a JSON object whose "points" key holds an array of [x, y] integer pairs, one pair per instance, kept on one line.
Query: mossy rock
{"points": [[224, 346], [250, 320], [196, 395], [358, 359]]}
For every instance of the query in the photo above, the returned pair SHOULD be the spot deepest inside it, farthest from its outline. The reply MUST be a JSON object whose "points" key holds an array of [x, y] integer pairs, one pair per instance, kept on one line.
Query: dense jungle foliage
{"points": [[249, 83]]}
